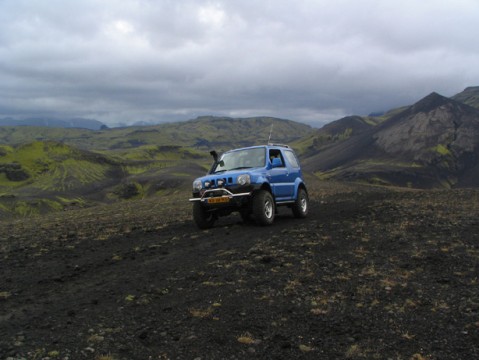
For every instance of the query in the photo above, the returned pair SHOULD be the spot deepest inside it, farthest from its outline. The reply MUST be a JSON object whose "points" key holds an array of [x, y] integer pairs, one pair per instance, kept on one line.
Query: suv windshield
{"points": [[241, 159]]}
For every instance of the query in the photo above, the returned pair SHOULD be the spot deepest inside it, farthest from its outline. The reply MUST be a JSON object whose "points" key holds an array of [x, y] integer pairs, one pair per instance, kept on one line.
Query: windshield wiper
{"points": [[241, 167], [236, 168]]}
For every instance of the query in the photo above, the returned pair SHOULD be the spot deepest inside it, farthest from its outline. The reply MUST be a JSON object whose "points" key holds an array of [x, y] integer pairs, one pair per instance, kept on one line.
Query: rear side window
{"points": [[291, 158]]}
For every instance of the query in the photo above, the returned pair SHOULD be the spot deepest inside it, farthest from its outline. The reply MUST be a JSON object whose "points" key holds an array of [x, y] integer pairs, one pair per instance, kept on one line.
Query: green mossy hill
{"points": [[45, 176], [52, 163], [225, 133], [206, 132], [470, 96], [17, 135]]}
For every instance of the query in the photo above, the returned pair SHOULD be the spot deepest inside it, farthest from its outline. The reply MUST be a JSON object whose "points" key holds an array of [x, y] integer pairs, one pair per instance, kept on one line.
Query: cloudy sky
{"points": [[312, 61]]}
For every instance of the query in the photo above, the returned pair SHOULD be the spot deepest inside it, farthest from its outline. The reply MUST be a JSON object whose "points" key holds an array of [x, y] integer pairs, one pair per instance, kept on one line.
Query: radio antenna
{"points": [[270, 132]]}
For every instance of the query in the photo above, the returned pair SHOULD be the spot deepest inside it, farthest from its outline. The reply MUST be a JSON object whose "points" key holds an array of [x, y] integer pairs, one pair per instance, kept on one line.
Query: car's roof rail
{"points": [[282, 145]]}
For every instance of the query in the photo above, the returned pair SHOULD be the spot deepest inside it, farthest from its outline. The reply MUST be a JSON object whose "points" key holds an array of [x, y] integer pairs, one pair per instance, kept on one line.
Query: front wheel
{"points": [[301, 204], [263, 207], [203, 218]]}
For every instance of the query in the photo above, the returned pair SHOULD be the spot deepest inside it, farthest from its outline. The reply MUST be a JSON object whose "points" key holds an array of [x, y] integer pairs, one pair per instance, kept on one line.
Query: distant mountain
{"points": [[56, 123], [433, 143], [333, 133], [207, 132], [469, 96], [224, 132], [346, 126]]}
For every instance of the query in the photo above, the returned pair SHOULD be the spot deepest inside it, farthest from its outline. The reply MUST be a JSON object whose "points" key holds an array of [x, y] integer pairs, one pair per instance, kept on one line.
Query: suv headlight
{"points": [[244, 179], [197, 185]]}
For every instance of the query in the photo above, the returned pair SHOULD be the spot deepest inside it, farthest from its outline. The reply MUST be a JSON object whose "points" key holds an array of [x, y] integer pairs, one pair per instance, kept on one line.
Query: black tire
{"points": [[203, 218], [263, 208], [301, 205]]}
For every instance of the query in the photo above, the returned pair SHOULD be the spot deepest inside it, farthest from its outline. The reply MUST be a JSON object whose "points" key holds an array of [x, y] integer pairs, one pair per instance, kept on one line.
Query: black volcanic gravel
{"points": [[370, 274]]}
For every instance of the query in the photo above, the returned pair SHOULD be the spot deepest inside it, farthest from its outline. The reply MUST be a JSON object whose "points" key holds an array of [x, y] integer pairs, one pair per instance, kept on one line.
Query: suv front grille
{"points": [[214, 182]]}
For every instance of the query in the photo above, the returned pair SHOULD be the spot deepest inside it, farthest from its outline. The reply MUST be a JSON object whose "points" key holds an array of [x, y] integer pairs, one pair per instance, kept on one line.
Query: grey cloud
{"points": [[311, 61]]}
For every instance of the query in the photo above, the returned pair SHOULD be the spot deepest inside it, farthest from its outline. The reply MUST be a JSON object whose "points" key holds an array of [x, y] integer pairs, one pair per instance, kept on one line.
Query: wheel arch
{"points": [[265, 186], [299, 185]]}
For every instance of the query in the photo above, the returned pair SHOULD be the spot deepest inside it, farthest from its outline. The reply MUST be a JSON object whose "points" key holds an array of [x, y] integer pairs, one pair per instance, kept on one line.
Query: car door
{"points": [[282, 183]]}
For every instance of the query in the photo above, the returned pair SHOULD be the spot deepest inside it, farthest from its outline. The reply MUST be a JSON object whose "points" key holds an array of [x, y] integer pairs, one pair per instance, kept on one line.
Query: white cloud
{"points": [[123, 27], [211, 15]]}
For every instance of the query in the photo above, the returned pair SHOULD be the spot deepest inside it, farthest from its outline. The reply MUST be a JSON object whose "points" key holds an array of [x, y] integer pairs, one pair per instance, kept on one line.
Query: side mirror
{"points": [[277, 162]]}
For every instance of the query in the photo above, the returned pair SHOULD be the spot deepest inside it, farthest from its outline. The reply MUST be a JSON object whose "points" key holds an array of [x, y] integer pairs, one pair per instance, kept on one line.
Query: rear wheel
{"points": [[301, 205], [203, 219], [263, 207]]}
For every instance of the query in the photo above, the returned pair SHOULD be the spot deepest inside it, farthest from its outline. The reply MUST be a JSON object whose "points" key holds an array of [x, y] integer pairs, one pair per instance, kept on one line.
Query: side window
{"points": [[274, 153], [291, 158]]}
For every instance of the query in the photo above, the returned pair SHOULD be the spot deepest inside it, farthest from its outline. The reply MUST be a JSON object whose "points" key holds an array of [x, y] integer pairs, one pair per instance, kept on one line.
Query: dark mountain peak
{"points": [[442, 107], [349, 120], [430, 102], [355, 124], [432, 121], [434, 142]]}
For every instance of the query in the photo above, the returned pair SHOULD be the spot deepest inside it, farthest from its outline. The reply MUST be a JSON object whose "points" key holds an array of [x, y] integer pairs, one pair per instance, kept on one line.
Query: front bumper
{"points": [[220, 196]]}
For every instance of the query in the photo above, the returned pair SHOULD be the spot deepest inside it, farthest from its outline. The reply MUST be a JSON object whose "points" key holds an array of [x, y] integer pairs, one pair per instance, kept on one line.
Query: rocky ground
{"points": [[370, 274]]}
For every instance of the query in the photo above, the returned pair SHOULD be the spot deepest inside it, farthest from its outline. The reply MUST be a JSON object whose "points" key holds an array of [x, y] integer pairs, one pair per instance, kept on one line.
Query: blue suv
{"points": [[254, 181]]}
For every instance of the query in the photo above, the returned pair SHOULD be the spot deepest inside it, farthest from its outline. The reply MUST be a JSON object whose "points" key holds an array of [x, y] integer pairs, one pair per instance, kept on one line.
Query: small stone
{"points": [[305, 348]]}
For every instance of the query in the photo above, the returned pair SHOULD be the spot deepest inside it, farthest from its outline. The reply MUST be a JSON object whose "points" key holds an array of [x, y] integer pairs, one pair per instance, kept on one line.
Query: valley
{"points": [[51, 169], [430, 144]]}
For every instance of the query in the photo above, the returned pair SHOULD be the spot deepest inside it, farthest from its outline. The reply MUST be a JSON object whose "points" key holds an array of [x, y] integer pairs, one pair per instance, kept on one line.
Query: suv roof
{"points": [[259, 146], [281, 145]]}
